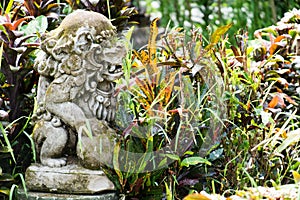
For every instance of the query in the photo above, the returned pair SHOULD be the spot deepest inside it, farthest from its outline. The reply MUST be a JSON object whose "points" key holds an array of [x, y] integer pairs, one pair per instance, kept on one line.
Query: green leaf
{"points": [[23, 183], [89, 129], [11, 192], [194, 161], [38, 25], [189, 153], [172, 156], [5, 149], [5, 177], [149, 147], [162, 163], [168, 192], [7, 142], [116, 162], [215, 154]]}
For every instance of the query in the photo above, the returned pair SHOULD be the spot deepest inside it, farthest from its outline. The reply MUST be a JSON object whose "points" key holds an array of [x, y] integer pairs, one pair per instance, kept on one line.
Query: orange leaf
{"points": [[274, 45], [18, 22], [277, 100], [279, 38], [273, 102], [273, 48]]}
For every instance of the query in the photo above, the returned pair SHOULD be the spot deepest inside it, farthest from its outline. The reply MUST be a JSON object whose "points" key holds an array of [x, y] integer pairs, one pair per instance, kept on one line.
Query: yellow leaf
{"points": [[296, 176], [215, 37], [152, 68], [196, 197], [6, 85]]}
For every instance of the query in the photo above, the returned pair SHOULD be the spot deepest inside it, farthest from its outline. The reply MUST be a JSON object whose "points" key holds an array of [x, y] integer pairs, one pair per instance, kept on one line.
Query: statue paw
{"points": [[57, 162]]}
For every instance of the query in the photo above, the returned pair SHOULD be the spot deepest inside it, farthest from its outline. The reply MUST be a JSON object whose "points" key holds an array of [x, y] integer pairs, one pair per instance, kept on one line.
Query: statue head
{"points": [[82, 35]]}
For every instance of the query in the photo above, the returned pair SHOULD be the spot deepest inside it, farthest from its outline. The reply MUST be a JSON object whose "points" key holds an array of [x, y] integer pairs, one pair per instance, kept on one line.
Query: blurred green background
{"points": [[249, 15]]}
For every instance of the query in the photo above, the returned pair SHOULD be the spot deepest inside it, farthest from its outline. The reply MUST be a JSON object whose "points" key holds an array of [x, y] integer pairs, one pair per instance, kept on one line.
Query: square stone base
{"points": [[52, 196], [70, 179]]}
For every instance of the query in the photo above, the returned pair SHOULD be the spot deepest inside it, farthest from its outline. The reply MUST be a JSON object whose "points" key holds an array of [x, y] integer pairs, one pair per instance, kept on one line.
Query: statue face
{"points": [[104, 61], [112, 59]]}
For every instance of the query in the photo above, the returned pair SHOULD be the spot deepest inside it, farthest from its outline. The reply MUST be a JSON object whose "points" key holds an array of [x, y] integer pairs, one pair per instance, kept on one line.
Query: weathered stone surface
{"points": [[51, 196], [71, 179]]}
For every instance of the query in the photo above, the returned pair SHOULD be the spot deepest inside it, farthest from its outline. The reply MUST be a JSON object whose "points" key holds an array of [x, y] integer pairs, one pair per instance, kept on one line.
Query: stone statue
{"points": [[79, 63]]}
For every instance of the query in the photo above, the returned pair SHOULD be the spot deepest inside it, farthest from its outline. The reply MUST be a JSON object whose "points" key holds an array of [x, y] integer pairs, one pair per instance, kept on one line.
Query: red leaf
{"points": [[237, 54]]}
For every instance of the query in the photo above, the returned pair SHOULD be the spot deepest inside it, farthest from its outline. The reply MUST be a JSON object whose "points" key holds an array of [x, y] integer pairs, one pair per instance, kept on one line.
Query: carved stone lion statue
{"points": [[78, 64]]}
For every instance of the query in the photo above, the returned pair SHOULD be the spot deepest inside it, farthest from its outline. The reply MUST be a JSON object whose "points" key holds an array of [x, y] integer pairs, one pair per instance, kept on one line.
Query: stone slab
{"points": [[51, 196], [70, 179]]}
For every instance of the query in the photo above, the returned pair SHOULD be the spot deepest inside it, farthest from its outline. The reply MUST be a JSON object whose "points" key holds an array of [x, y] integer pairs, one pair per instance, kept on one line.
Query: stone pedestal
{"points": [[52, 196], [70, 179]]}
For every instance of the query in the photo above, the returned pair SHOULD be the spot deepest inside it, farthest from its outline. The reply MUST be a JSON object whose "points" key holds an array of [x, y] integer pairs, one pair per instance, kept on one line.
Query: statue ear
{"points": [[95, 56]]}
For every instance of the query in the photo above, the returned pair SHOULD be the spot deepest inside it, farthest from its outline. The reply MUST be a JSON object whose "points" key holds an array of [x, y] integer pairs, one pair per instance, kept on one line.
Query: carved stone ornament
{"points": [[78, 64]]}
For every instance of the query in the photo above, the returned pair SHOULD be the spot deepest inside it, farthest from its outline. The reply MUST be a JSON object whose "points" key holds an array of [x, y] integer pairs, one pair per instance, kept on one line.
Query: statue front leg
{"points": [[52, 149], [53, 144]]}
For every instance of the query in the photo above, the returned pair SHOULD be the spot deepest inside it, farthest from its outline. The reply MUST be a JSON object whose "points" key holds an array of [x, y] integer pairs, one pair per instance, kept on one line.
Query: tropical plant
{"points": [[260, 147], [19, 40], [261, 142], [165, 108]]}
